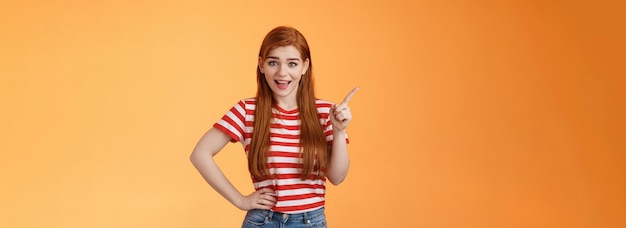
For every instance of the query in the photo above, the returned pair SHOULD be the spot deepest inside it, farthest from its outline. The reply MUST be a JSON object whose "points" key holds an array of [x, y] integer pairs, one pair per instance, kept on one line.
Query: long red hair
{"points": [[313, 144]]}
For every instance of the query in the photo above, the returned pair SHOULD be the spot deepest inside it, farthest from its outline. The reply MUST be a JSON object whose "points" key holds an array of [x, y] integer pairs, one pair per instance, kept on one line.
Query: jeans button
{"points": [[285, 216]]}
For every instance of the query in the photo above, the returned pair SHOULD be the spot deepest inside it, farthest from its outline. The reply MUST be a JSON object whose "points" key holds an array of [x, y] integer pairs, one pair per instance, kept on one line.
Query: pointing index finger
{"points": [[349, 96]]}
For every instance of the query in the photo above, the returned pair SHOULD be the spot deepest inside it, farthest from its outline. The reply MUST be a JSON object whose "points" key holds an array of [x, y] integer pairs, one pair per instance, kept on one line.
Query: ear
{"points": [[261, 65], [306, 66]]}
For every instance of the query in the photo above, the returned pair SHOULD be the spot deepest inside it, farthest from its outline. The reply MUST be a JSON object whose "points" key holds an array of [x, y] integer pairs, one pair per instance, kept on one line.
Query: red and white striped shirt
{"points": [[294, 194]]}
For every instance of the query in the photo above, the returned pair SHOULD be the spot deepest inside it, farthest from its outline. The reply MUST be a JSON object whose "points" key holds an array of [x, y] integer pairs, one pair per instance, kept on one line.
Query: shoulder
{"points": [[244, 105], [248, 101], [323, 103], [323, 106]]}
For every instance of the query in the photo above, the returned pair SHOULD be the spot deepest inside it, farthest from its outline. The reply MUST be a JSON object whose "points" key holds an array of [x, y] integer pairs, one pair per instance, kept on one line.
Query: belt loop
{"points": [[306, 219], [270, 215]]}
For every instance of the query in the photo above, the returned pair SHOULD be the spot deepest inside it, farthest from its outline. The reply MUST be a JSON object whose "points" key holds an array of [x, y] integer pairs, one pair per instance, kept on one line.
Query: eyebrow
{"points": [[288, 59]]}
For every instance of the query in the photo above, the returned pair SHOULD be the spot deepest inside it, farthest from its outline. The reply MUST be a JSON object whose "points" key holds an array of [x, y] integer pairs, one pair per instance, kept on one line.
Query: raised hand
{"points": [[340, 114], [264, 198]]}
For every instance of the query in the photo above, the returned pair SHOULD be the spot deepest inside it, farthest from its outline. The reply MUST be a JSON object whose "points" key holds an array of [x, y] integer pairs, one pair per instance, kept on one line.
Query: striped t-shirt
{"points": [[294, 194]]}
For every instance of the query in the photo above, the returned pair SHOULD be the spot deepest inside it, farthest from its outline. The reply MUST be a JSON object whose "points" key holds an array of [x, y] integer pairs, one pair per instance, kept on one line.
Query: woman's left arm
{"points": [[339, 161]]}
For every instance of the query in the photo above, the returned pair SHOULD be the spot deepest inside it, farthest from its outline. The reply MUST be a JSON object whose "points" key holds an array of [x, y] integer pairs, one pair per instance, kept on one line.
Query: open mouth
{"points": [[282, 84]]}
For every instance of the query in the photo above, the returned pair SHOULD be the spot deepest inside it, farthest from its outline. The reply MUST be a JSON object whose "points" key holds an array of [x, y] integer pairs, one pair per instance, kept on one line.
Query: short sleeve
{"points": [[233, 122]]}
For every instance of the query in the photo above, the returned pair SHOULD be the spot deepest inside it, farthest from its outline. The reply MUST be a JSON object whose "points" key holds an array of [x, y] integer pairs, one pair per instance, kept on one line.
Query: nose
{"points": [[283, 71]]}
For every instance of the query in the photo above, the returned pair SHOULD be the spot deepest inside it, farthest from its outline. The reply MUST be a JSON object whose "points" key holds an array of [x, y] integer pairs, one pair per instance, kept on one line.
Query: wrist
{"points": [[238, 202], [341, 133]]}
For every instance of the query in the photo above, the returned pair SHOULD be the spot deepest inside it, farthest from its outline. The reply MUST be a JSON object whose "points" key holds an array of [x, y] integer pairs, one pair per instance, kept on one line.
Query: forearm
{"points": [[339, 162], [205, 164]]}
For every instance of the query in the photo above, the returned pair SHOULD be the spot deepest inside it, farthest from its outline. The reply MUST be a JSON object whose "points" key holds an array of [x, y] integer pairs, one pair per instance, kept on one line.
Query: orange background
{"points": [[470, 114]]}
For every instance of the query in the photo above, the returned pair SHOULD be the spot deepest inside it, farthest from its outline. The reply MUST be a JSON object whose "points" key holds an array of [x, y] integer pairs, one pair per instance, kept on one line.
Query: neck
{"points": [[287, 103]]}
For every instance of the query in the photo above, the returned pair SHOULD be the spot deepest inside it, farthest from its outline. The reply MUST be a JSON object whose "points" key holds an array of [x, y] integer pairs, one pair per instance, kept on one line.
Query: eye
{"points": [[272, 63], [293, 64]]}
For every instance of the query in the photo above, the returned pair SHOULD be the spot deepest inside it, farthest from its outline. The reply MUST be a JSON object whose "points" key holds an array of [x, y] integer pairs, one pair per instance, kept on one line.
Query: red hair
{"points": [[313, 144]]}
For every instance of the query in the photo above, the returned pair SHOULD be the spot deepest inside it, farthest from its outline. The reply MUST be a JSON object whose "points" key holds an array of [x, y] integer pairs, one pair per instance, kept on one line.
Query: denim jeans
{"points": [[267, 218]]}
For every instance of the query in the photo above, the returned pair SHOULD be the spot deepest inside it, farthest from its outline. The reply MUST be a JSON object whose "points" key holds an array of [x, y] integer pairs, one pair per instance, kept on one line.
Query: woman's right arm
{"points": [[202, 158]]}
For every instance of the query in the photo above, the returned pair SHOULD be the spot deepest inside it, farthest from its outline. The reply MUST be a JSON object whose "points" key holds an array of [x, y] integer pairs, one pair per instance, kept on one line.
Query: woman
{"points": [[293, 141]]}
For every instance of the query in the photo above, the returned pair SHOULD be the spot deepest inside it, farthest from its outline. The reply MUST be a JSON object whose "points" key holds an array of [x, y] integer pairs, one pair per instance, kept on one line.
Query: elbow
{"points": [[200, 157], [195, 158], [336, 181], [337, 178], [337, 174]]}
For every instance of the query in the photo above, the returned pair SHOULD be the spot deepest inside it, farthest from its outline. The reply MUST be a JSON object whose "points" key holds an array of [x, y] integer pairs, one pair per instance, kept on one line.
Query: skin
{"points": [[282, 64]]}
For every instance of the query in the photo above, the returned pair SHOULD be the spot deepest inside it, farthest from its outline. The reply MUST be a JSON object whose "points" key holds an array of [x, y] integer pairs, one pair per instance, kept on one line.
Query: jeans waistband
{"points": [[304, 216]]}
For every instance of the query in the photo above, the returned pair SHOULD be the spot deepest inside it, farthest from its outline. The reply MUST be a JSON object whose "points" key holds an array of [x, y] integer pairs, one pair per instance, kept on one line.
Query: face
{"points": [[283, 69]]}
